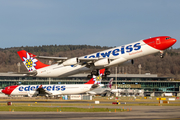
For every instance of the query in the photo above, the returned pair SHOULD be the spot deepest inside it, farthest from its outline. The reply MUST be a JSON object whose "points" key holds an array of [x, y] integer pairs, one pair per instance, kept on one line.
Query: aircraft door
{"points": [[158, 41]]}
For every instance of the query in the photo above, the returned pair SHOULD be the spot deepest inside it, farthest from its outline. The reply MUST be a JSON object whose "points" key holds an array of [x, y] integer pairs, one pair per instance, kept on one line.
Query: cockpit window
{"points": [[168, 38]]}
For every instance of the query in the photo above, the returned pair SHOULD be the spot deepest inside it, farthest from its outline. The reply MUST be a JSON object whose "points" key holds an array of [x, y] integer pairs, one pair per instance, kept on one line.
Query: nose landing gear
{"points": [[161, 54]]}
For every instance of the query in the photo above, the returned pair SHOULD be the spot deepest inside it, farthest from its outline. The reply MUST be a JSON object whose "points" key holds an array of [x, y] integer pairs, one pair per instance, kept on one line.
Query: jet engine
{"points": [[71, 61], [102, 62]]}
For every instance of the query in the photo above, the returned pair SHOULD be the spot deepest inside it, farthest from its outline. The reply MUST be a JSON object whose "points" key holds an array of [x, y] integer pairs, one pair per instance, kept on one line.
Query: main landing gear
{"points": [[96, 73]]}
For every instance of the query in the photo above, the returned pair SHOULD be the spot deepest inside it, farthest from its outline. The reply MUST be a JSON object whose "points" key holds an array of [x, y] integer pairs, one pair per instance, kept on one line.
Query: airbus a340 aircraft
{"points": [[93, 62], [58, 89]]}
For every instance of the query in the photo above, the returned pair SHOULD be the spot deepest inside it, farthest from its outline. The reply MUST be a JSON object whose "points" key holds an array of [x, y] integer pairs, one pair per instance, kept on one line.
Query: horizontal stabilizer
{"points": [[57, 59], [53, 58], [32, 73]]}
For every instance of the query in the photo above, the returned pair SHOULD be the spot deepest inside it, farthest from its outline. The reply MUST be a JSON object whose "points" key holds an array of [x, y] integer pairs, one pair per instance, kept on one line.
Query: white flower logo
{"points": [[97, 79], [30, 63]]}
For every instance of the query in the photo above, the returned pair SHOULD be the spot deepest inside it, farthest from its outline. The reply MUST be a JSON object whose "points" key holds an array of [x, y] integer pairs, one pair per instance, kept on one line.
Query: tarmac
{"points": [[137, 113]]}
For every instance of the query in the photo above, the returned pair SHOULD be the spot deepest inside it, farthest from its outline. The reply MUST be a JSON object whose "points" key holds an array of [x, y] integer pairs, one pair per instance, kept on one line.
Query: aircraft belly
{"points": [[62, 71], [73, 70], [77, 90]]}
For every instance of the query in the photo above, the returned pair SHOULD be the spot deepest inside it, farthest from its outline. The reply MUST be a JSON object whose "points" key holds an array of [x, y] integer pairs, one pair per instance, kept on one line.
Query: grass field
{"points": [[53, 108], [39, 107], [79, 107]]}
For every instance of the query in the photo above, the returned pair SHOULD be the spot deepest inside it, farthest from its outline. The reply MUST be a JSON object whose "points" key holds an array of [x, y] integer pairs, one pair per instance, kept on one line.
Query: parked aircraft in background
{"points": [[58, 89], [101, 90], [93, 62]]}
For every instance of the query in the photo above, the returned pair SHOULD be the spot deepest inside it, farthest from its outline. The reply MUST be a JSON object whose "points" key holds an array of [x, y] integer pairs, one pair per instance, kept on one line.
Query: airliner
{"points": [[93, 62], [56, 89], [101, 90]]}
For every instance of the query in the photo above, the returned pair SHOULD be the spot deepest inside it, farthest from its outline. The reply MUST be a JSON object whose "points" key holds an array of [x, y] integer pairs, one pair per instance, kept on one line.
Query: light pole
{"points": [[19, 65], [139, 66], [116, 77]]}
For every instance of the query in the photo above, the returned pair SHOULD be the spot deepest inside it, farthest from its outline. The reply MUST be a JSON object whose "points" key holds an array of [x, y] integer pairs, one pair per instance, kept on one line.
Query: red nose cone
{"points": [[3, 91], [161, 42], [173, 41], [168, 43], [8, 90]]}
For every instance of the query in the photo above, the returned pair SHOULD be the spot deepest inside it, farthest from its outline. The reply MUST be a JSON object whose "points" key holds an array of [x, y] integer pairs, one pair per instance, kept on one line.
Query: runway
{"points": [[137, 113], [77, 102]]}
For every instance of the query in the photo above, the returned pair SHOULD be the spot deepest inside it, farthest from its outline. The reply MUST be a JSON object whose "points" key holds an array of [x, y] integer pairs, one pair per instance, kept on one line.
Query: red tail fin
{"points": [[29, 61], [96, 79]]}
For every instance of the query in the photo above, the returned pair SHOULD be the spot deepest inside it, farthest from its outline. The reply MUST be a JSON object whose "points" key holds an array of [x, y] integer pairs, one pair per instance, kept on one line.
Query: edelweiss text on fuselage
{"points": [[117, 51], [49, 88]]}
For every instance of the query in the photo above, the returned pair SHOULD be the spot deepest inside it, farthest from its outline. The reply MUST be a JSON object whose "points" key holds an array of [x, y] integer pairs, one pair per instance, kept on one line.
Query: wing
{"points": [[97, 62], [71, 61]]}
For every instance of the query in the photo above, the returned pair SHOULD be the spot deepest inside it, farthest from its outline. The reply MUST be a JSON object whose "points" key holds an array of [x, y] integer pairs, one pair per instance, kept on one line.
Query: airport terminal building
{"points": [[151, 84]]}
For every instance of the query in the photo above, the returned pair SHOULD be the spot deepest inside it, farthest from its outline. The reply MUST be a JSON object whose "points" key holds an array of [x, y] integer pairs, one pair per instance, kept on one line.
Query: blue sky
{"points": [[92, 22]]}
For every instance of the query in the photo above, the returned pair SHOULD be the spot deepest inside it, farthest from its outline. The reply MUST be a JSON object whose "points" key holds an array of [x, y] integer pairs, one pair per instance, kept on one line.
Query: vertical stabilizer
{"points": [[110, 83], [30, 61], [96, 79]]}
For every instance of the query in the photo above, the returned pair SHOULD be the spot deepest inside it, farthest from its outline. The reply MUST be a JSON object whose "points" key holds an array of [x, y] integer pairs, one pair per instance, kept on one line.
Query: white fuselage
{"points": [[60, 89], [117, 55]]}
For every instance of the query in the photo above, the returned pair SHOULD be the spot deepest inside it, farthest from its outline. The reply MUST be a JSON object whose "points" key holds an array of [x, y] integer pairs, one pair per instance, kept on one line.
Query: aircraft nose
{"points": [[4, 91], [8, 90], [166, 43], [171, 42]]}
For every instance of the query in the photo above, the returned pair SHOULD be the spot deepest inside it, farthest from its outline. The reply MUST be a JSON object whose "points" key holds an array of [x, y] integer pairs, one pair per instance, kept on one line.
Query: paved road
{"points": [[137, 113]]}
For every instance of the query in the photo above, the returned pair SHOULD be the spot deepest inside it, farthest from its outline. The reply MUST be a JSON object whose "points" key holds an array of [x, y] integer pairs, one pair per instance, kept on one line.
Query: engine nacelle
{"points": [[71, 61], [102, 62]]}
